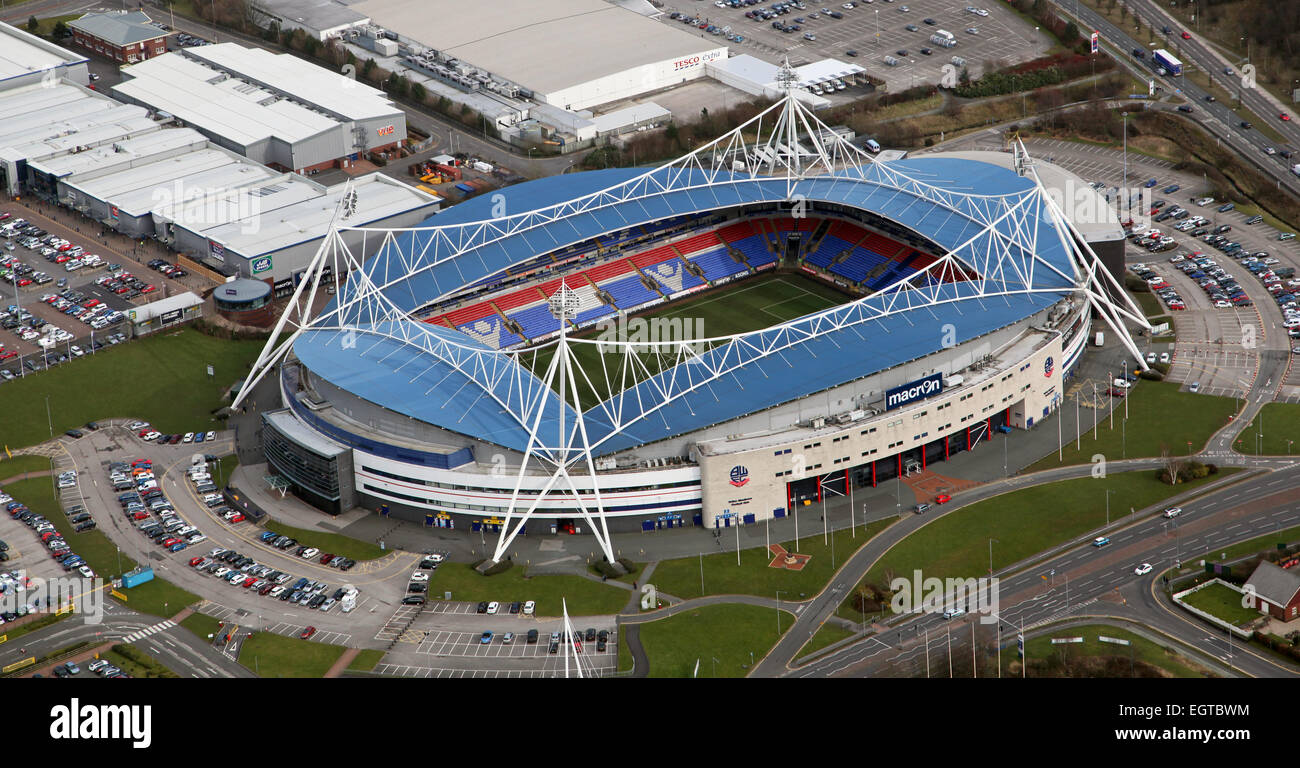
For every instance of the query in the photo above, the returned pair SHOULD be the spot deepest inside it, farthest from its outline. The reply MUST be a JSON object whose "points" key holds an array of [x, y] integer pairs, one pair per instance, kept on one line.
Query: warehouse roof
{"points": [[304, 81], [123, 152], [213, 101], [34, 112], [139, 189], [22, 53], [118, 28], [261, 196], [378, 197], [323, 15], [545, 47]]}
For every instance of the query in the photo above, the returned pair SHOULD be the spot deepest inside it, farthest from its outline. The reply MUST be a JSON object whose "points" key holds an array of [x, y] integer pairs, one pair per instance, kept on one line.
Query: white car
{"points": [[309, 553], [153, 435], [1151, 357], [493, 607], [434, 558], [1122, 384], [419, 576], [1173, 512], [86, 572], [1164, 357], [529, 607], [210, 436], [1142, 569], [189, 437], [981, 12]]}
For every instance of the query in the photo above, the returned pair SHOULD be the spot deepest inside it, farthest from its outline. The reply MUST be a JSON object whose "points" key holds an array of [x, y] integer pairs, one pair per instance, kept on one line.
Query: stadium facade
{"points": [[456, 378]]}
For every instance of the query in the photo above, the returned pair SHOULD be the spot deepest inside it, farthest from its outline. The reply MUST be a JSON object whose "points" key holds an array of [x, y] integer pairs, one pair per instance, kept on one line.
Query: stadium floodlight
{"points": [[1011, 244]]}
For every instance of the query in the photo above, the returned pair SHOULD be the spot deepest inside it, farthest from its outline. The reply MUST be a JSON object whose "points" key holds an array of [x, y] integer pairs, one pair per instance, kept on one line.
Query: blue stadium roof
{"points": [[462, 387]]}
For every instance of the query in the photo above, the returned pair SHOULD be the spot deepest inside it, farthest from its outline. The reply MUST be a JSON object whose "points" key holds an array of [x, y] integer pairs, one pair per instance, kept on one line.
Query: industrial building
{"points": [[276, 242], [573, 54], [125, 37], [322, 19], [274, 109], [25, 59], [41, 122]]}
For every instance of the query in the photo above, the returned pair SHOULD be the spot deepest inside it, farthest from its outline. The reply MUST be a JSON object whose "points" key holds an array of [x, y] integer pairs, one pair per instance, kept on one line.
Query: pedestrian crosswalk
{"points": [[161, 626]]}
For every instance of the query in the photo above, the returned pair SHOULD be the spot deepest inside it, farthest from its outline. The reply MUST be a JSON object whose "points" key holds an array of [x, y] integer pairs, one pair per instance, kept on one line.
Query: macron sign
{"points": [[915, 390]]}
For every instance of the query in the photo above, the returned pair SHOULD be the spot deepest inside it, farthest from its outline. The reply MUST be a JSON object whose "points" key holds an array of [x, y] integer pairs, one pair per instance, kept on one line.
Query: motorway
{"points": [[1216, 117], [1071, 579]]}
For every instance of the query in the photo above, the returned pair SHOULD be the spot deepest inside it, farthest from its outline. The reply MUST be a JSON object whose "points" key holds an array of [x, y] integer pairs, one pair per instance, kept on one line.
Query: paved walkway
{"points": [[342, 664], [26, 476]]}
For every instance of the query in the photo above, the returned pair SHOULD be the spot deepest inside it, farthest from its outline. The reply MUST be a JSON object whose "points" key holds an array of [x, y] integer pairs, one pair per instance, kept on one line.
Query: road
{"points": [[1216, 117], [1073, 579], [176, 647]]}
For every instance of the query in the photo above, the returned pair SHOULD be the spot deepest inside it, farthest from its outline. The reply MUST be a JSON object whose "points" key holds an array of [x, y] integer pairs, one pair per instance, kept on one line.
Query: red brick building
{"points": [[1275, 591], [124, 37]]}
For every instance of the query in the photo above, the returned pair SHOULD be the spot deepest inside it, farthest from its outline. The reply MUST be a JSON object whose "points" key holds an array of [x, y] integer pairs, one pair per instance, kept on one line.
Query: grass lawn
{"points": [[752, 304], [720, 637], [335, 543], [162, 379], [1141, 649], [1279, 422], [21, 464], [32, 626], [1158, 416], [1023, 522], [584, 596], [366, 660], [200, 624], [722, 576], [157, 597], [272, 655], [1218, 600], [828, 634], [1148, 302]]}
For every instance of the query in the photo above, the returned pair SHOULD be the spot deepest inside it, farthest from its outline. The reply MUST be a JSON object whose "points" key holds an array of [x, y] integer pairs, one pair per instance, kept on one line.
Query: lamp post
{"points": [[991, 554], [1109, 491]]}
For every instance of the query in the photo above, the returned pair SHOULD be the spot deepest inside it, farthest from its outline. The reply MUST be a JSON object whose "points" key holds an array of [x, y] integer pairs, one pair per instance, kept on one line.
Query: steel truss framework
{"points": [[786, 145]]}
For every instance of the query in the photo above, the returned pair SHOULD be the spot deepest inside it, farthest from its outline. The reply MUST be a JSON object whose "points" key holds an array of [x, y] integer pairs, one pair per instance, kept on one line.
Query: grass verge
{"points": [[366, 660], [1159, 417], [681, 577], [272, 655], [827, 635], [724, 640], [335, 543], [1279, 423], [20, 465], [1093, 658], [137, 663], [175, 396]]}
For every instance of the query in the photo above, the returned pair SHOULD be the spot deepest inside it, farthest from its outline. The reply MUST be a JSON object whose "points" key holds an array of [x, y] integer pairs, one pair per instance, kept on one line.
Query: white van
{"points": [[873, 146], [954, 612]]}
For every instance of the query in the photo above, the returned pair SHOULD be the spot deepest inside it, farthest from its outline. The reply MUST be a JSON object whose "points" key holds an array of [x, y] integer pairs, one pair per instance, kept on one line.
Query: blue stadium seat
{"points": [[628, 292], [717, 264], [536, 320]]}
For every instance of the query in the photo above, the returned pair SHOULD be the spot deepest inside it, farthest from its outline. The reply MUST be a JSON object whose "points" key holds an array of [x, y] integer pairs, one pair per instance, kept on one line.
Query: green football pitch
{"points": [[749, 305]]}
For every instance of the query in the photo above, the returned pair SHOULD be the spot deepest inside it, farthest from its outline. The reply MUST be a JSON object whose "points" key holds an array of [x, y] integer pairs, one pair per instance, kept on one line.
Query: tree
{"points": [[1173, 464], [1070, 34], [60, 30], [33, 25], [418, 93]]}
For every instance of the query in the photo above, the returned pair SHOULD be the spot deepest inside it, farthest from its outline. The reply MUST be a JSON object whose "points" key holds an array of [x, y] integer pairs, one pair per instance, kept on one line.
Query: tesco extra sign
{"points": [[915, 390], [694, 61]]}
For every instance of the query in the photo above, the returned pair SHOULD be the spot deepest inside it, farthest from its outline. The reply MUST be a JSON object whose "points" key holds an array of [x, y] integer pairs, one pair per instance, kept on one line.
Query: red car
{"points": [[238, 518], [6, 355], [325, 558], [195, 561], [248, 582], [306, 633], [170, 540], [141, 515], [1187, 36], [1115, 392], [24, 282], [148, 289], [942, 498], [48, 535], [1283, 116]]}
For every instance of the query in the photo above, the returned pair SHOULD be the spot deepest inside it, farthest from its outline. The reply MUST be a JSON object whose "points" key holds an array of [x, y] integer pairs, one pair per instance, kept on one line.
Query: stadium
{"points": [[771, 318]]}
